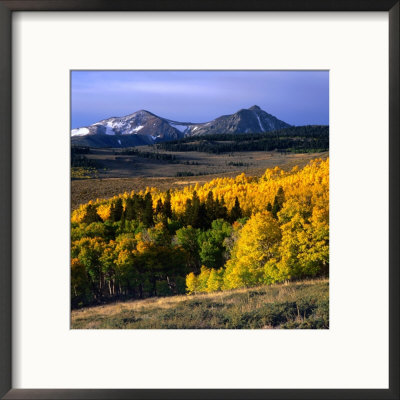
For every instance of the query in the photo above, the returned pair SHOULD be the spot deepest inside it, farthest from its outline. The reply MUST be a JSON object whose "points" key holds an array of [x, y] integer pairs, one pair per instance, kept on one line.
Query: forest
{"points": [[228, 233], [296, 139]]}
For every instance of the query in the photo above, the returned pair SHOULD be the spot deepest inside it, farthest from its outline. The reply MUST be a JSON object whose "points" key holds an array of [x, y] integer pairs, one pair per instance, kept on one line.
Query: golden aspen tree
{"points": [[214, 282], [202, 279], [257, 243], [191, 283]]}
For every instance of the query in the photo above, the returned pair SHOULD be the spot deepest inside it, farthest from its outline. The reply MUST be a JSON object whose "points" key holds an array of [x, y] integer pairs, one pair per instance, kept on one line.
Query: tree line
{"points": [[293, 139]]}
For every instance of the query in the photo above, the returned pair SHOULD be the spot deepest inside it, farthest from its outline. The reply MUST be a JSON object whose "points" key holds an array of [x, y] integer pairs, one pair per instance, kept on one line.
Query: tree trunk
{"points": [[140, 291]]}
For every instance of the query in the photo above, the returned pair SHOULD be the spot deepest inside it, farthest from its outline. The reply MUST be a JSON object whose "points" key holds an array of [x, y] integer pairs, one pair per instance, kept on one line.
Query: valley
{"points": [[119, 173]]}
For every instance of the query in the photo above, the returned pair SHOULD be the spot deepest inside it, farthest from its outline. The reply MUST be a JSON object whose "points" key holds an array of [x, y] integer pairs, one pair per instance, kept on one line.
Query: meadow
{"points": [[118, 173], [291, 305]]}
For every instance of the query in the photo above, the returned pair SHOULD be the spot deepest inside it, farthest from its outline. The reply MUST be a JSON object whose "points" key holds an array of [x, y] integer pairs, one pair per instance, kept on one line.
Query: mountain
{"points": [[251, 120], [139, 128], [144, 127]]}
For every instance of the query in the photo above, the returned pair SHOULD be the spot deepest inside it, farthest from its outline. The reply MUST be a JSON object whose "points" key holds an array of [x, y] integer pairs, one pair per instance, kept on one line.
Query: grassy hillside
{"points": [[302, 305]]}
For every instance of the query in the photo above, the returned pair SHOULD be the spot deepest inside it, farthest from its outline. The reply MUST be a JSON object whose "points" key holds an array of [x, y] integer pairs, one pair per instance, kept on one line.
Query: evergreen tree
{"points": [[236, 211], [130, 212], [275, 208], [159, 207], [195, 211], [91, 215], [123, 220], [187, 216], [148, 210], [210, 206], [112, 212], [278, 202], [138, 206], [202, 220], [221, 210], [116, 210], [167, 205], [216, 207]]}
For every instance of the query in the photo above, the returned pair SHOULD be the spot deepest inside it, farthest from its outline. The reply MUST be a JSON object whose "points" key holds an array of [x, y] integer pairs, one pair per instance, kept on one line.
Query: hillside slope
{"points": [[301, 305]]}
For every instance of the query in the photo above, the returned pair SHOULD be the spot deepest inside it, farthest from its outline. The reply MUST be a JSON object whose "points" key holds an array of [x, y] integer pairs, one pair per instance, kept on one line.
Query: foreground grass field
{"points": [[301, 305]]}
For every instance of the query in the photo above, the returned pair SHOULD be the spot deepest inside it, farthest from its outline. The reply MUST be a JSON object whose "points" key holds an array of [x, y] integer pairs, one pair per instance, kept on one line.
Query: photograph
{"points": [[199, 199]]}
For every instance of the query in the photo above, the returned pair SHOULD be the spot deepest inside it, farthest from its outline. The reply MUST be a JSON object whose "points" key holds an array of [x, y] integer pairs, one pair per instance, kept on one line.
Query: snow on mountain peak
{"points": [[150, 128], [79, 132]]}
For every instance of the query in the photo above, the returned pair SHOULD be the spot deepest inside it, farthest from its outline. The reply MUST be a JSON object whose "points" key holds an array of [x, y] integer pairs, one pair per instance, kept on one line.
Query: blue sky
{"points": [[296, 97]]}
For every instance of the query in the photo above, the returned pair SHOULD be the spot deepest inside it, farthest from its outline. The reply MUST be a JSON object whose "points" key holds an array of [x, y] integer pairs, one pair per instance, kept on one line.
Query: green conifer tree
{"points": [[187, 216], [148, 210], [116, 210], [167, 205], [91, 215], [221, 210], [159, 207], [278, 202], [130, 212], [236, 211], [210, 206], [195, 210]]}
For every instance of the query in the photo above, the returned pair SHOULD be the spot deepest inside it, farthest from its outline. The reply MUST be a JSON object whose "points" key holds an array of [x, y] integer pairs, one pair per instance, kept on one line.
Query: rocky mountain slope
{"points": [[144, 127]]}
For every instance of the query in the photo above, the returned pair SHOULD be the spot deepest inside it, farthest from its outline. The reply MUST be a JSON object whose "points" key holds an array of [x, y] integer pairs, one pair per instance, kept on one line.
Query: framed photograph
{"points": [[199, 200]]}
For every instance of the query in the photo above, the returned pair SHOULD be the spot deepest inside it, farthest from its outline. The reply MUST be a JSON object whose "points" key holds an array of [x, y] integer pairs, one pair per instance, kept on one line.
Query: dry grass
{"points": [[241, 308], [124, 176]]}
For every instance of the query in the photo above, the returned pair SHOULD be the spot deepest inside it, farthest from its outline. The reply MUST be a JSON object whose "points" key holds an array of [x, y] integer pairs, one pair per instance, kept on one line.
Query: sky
{"points": [[296, 97]]}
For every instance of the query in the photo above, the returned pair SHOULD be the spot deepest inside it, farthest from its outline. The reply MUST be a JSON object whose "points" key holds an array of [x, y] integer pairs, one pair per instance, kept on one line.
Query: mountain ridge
{"points": [[144, 127]]}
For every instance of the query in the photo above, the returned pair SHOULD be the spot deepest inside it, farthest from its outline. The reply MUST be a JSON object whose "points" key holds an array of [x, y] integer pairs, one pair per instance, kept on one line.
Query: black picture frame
{"points": [[6, 10]]}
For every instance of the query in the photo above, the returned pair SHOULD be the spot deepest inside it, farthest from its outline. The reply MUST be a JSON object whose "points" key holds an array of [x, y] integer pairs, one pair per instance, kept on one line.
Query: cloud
{"points": [[173, 87]]}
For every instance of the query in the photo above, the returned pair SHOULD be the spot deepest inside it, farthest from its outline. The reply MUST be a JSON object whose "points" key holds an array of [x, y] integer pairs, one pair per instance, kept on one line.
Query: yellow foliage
{"points": [[253, 193], [191, 283], [256, 244], [104, 211], [290, 242]]}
